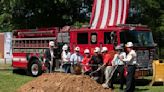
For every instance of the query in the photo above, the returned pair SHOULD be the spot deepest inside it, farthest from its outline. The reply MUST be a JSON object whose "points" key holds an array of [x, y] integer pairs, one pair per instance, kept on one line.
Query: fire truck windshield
{"points": [[139, 38]]}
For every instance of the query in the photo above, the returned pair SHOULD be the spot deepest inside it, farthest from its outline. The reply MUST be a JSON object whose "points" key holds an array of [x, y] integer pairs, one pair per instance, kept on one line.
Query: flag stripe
{"points": [[116, 12], [97, 13], [101, 14], [119, 11], [105, 17], [122, 14], [112, 13], [93, 11], [108, 13]]}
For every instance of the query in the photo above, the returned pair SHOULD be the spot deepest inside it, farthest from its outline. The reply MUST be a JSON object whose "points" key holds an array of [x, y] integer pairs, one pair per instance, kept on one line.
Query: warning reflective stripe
{"points": [[23, 59], [19, 59], [108, 13], [16, 59]]}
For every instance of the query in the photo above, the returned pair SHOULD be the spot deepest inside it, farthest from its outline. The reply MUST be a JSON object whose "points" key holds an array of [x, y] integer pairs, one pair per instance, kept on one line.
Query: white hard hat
{"points": [[129, 44], [51, 43], [77, 49], [97, 49], [118, 47], [104, 49], [86, 51], [65, 47]]}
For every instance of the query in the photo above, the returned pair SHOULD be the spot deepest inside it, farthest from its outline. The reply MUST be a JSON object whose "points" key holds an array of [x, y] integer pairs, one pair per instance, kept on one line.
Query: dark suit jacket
{"points": [[48, 54]]}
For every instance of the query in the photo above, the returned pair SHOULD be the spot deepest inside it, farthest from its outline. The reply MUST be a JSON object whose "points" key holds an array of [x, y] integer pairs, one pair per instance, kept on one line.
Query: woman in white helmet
{"points": [[86, 67], [119, 65], [65, 56]]}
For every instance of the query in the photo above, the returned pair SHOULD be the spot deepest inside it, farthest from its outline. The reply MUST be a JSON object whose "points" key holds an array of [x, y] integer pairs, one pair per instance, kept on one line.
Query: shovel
{"points": [[111, 75]]}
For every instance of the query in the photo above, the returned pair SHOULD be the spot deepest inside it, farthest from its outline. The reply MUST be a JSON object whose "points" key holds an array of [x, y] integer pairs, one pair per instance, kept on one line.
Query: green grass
{"points": [[9, 82], [5, 66], [142, 85]]}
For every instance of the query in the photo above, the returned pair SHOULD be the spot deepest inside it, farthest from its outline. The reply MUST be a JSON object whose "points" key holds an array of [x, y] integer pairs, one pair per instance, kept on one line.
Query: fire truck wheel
{"points": [[35, 68]]}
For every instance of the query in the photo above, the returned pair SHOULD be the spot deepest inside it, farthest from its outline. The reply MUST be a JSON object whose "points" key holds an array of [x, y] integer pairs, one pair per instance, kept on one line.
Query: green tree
{"points": [[46, 13], [6, 7], [147, 12]]}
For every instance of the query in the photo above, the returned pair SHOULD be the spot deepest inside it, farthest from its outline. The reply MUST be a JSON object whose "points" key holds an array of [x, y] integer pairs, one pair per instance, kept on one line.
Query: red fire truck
{"points": [[29, 45], [107, 28]]}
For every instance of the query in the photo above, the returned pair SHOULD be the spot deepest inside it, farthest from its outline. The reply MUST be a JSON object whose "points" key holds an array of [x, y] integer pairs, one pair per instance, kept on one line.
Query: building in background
{"points": [[1, 46], [5, 47]]}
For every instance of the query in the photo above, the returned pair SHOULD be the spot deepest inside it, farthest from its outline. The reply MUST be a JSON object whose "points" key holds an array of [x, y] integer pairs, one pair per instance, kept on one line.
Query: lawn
{"points": [[9, 82]]}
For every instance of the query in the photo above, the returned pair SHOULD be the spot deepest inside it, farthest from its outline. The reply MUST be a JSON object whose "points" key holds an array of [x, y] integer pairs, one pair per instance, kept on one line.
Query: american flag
{"points": [[107, 13]]}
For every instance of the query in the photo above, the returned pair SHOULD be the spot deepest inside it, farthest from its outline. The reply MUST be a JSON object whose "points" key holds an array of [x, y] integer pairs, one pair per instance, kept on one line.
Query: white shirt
{"points": [[116, 60], [65, 56], [52, 53], [75, 58], [131, 58]]}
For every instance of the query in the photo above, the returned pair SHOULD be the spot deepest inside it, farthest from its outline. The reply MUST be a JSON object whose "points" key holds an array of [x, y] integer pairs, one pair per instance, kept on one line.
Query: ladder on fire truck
{"points": [[32, 40], [29, 44]]}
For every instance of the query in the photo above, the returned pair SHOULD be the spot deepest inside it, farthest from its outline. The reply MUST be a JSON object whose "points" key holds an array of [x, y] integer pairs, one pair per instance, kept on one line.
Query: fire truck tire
{"points": [[35, 68], [15, 70]]}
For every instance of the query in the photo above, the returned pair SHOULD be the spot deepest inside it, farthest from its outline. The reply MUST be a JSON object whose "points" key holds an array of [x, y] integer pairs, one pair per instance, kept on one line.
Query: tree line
{"points": [[17, 14]]}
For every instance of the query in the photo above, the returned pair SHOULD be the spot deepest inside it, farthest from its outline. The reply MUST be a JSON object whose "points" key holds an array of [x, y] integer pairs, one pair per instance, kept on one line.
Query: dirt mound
{"points": [[59, 82]]}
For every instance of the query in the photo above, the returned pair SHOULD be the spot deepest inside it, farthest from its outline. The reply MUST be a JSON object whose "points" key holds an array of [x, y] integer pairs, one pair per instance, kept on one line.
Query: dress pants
{"points": [[130, 79], [120, 70]]}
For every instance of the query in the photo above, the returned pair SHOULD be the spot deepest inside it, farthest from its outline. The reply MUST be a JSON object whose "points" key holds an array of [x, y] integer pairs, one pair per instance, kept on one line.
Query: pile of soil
{"points": [[60, 82]]}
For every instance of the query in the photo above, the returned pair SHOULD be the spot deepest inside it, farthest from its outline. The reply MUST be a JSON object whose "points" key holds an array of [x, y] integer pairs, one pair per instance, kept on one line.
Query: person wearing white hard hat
{"points": [[97, 50], [50, 55], [119, 65], [86, 68], [104, 49], [76, 58], [107, 65], [130, 60], [65, 56], [96, 61]]}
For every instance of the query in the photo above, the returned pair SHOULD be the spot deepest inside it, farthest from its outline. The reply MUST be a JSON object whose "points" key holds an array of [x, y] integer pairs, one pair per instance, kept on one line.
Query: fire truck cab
{"points": [[140, 35]]}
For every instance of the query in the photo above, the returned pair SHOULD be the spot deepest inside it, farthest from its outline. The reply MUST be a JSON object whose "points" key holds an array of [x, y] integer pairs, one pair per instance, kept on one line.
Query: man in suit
{"points": [[50, 55]]}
